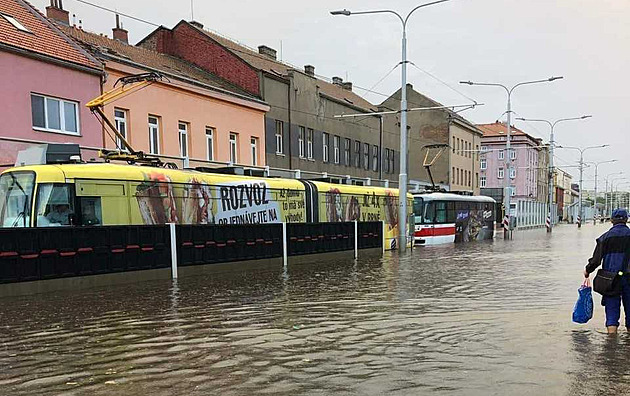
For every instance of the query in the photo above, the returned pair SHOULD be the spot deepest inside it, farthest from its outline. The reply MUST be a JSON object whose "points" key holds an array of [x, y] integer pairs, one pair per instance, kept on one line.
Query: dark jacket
{"points": [[611, 249]]}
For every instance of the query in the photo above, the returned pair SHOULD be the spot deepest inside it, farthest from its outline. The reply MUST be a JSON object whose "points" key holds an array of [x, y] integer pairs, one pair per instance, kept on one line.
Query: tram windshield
{"points": [[418, 209], [16, 195]]}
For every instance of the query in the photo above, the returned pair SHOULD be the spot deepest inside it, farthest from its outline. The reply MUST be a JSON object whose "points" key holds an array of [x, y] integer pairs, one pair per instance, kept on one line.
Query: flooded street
{"points": [[468, 319]]}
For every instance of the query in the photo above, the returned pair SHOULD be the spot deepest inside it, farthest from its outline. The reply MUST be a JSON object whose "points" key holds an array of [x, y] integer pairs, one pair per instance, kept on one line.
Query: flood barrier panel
{"points": [[31, 254]]}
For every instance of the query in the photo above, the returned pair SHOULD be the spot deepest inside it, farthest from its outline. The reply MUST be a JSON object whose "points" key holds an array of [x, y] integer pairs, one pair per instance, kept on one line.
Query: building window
{"points": [[501, 154], [357, 154], [483, 164], [453, 144], [459, 149], [253, 143], [54, 115], [301, 142], [386, 162], [484, 149], [279, 137], [210, 143], [513, 191], [154, 135], [375, 158], [366, 156], [309, 143], [16, 24], [500, 173], [477, 151], [482, 182], [453, 173], [512, 154], [326, 144], [392, 167], [120, 119], [512, 173], [476, 180], [183, 139], [469, 178], [233, 148], [346, 151], [336, 148]]}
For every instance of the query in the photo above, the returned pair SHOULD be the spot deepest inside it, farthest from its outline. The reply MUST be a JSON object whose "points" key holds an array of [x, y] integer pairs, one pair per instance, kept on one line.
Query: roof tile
{"points": [[44, 38]]}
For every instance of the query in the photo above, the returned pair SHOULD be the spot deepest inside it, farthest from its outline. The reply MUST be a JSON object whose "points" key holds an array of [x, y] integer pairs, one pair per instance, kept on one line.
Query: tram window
{"points": [[418, 210], [91, 213], [55, 205], [440, 212], [451, 213], [429, 214]]}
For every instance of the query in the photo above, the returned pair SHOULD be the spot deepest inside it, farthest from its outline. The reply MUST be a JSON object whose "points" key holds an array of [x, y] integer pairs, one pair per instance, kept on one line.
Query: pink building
{"points": [[525, 153], [192, 117], [46, 81]]}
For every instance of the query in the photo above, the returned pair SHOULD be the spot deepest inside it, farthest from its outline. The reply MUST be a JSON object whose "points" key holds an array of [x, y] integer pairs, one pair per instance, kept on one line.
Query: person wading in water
{"points": [[611, 253]]}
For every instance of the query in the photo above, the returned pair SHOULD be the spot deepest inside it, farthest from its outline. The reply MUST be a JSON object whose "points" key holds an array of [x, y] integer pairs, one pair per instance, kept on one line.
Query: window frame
{"points": [[325, 147], [210, 143], [279, 137], [501, 154], [483, 164], [253, 145], [347, 158], [118, 121], [154, 141], [62, 115], [233, 147], [182, 133], [357, 153], [375, 162], [500, 173], [309, 143], [15, 23], [336, 154], [301, 144], [483, 182], [366, 156]]}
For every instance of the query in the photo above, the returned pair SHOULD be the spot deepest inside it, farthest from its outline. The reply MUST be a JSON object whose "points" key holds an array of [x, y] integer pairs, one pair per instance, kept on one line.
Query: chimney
{"points": [[196, 24], [56, 12], [310, 70], [337, 81], [347, 86], [267, 51], [119, 33]]}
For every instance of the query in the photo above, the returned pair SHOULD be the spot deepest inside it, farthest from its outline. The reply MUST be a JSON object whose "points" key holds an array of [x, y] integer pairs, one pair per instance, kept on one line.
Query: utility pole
{"points": [[402, 177]]}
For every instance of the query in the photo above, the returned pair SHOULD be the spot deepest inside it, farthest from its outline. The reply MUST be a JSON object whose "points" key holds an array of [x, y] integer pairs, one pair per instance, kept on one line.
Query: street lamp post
{"points": [[507, 190], [552, 125], [597, 164], [582, 150], [402, 178], [606, 190]]}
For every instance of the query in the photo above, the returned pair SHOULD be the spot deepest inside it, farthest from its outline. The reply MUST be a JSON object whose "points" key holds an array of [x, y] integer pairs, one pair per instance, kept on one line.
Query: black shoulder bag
{"points": [[608, 283]]}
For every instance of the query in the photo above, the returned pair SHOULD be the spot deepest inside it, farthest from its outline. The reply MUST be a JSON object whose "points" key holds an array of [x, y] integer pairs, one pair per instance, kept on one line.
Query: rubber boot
{"points": [[612, 329]]}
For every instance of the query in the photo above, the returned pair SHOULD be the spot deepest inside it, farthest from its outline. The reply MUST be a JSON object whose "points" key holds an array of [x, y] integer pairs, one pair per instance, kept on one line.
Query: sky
{"points": [[499, 41]]}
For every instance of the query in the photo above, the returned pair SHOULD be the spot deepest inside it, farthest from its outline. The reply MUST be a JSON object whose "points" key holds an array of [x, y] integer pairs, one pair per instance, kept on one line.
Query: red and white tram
{"points": [[447, 218]]}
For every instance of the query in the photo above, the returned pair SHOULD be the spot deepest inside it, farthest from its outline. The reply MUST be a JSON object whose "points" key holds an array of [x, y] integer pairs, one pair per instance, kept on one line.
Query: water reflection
{"points": [[476, 319]]}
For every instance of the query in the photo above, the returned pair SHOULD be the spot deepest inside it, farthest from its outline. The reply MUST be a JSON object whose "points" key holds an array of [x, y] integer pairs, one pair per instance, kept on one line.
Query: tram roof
{"points": [[436, 196]]}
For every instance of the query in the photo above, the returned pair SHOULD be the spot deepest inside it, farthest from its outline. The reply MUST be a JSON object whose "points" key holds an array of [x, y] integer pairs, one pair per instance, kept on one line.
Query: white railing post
{"points": [[284, 244], [173, 250], [384, 236], [356, 239]]}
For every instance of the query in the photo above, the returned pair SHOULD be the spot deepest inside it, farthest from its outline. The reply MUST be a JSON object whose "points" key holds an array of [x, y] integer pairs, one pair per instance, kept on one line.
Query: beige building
{"points": [[465, 143], [457, 168]]}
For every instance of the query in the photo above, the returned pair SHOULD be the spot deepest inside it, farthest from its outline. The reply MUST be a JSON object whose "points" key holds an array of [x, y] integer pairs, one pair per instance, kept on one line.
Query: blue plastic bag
{"points": [[583, 309]]}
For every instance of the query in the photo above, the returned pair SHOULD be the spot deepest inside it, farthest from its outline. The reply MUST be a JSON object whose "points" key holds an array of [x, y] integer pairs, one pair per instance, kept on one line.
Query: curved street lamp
{"points": [[509, 90], [402, 178], [597, 164], [582, 150], [552, 125]]}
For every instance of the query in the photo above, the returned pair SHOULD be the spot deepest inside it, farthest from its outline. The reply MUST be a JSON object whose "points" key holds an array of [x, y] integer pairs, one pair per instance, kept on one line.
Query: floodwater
{"points": [[490, 318]]}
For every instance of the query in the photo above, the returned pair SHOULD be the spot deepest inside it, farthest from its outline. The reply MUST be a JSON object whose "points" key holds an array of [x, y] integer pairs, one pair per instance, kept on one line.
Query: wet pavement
{"points": [[488, 318]]}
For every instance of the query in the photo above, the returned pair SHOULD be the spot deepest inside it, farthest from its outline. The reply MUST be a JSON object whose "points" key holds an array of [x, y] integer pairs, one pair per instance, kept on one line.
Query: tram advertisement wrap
{"points": [[344, 204], [197, 202], [470, 225]]}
